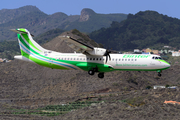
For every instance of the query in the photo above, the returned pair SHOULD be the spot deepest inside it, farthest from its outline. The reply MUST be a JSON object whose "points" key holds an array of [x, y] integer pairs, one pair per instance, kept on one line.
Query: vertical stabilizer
{"points": [[27, 45]]}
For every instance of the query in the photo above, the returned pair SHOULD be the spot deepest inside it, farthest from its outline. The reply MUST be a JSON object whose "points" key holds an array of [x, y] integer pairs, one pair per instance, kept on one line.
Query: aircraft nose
{"points": [[167, 65]]}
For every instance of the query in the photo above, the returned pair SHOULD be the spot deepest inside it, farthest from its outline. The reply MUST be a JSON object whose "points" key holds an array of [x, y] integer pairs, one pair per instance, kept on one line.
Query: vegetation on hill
{"points": [[144, 29], [96, 21], [7, 15], [8, 49], [37, 22]]}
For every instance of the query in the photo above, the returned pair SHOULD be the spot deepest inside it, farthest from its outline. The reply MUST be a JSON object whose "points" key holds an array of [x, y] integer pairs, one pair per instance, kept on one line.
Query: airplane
{"points": [[91, 59]]}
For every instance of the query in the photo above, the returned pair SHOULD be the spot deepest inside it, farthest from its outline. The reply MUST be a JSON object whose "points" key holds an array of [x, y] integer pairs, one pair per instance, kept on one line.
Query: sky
{"points": [[170, 8]]}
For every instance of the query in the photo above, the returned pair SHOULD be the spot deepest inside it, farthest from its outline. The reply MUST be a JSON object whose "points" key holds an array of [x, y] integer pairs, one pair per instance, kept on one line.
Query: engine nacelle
{"points": [[97, 51]]}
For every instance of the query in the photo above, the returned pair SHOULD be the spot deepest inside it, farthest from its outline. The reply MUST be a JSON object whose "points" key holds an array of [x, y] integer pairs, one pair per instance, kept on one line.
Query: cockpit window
{"points": [[157, 58]]}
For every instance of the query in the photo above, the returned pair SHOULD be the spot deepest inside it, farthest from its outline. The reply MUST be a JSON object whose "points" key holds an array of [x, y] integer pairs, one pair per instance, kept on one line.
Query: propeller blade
{"points": [[109, 56], [106, 58]]}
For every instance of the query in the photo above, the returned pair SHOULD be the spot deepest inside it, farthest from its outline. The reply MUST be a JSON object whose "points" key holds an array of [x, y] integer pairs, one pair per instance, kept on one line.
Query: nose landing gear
{"points": [[159, 73]]}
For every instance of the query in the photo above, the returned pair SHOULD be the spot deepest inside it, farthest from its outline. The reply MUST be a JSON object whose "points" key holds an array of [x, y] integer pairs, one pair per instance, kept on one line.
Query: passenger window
{"points": [[99, 58], [119, 59], [64, 58], [116, 59], [77, 58], [90, 58], [80, 58], [131, 59], [128, 59], [122, 59], [93, 58], [96, 58], [125, 59], [113, 59], [74, 58], [87, 58], [84, 58], [135, 59], [71, 58]]}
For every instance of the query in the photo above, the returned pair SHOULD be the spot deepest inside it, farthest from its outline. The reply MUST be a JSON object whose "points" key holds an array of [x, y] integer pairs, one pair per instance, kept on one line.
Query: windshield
{"points": [[156, 58]]}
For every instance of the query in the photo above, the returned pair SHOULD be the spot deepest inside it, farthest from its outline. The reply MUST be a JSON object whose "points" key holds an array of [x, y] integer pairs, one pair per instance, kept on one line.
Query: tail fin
{"points": [[27, 45]]}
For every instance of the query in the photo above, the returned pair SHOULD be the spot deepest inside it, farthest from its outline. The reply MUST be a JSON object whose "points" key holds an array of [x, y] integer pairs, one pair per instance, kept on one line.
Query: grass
{"points": [[134, 102], [54, 110]]}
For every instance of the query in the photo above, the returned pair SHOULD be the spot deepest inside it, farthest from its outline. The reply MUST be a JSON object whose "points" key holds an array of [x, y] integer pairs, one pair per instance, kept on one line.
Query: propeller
{"points": [[107, 55]]}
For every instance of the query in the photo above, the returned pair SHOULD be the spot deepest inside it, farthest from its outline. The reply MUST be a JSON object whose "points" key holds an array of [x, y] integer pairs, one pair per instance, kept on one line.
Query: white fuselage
{"points": [[118, 61]]}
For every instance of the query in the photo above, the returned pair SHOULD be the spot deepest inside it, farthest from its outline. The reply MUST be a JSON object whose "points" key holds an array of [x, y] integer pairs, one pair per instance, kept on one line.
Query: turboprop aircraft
{"points": [[91, 59]]}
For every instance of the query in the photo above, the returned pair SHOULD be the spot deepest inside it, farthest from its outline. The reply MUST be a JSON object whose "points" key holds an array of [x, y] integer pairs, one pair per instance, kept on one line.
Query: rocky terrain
{"points": [[120, 95]]}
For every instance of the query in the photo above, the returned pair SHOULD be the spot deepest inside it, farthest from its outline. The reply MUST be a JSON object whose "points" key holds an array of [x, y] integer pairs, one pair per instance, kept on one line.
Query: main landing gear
{"points": [[101, 75], [92, 72]]}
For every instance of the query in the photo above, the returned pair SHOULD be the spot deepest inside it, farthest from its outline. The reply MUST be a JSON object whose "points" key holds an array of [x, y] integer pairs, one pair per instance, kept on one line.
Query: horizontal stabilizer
{"points": [[20, 57], [18, 31]]}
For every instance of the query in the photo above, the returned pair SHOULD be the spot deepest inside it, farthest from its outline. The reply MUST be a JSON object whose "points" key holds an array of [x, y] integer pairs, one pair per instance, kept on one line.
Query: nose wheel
{"points": [[159, 74]]}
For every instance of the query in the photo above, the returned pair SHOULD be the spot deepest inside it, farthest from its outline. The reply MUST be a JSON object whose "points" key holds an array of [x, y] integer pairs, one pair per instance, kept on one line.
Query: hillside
{"points": [[142, 30], [7, 15], [26, 88], [31, 18]]}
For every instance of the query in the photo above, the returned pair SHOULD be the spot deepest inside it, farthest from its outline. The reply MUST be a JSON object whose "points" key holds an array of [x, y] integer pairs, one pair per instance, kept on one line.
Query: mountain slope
{"points": [[144, 29], [7, 15], [89, 20], [37, 22]]}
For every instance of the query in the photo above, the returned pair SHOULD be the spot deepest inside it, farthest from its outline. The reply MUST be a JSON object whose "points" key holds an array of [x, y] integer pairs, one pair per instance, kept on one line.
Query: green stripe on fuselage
{"points": [[163, 61], [43, 63]]}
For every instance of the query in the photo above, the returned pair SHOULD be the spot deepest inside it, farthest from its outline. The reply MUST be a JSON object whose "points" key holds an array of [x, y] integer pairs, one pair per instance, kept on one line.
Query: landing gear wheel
{"points": [[101, 75], [91, 72], [159, 74]]}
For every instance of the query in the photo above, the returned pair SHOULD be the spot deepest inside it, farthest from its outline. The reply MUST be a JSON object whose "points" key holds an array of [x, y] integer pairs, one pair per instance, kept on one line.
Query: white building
{"points": [[167, 46], [137, 50], [175, 53], [158, 87]]}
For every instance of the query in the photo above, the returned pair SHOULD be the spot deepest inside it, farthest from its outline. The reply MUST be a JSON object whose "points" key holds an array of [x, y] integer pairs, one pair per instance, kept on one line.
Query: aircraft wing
{"points": [[76, 45]]}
